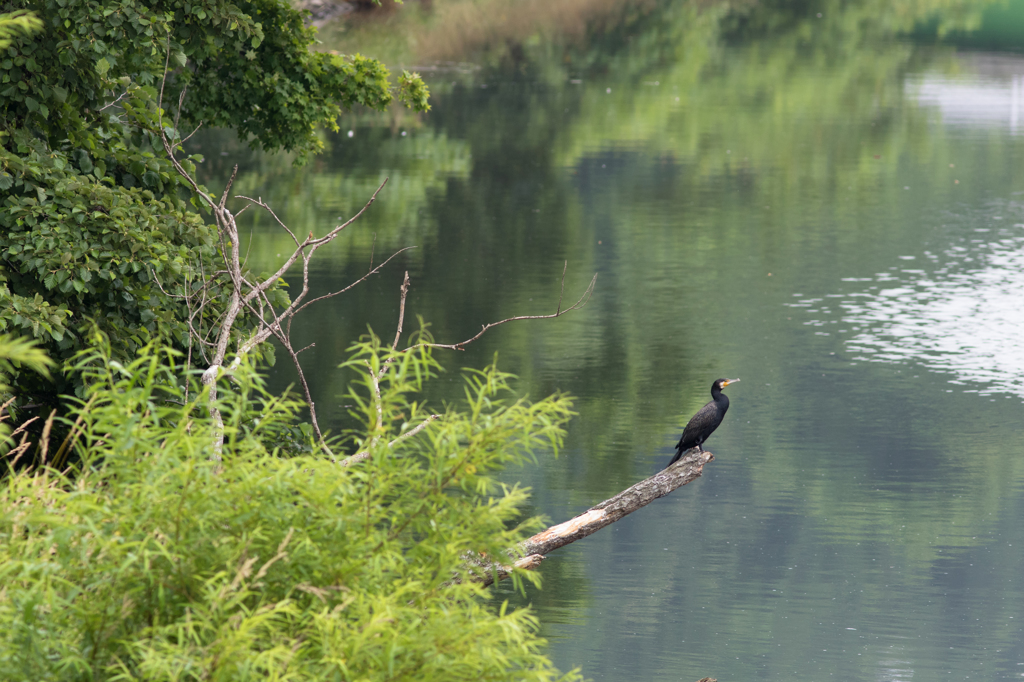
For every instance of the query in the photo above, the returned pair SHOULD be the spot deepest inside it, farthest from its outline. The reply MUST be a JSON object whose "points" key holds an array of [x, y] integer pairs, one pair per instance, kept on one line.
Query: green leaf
{"points": [[83, 160], [102, 66]]}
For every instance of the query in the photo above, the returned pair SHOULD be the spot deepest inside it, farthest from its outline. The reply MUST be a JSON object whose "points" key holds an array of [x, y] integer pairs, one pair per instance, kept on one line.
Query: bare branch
{"points": [[398, 333], [168, 147], [305, 389], [119, 98], [169, 150], [561, 289], [177, 114], [314, 244], [248, 248], [248, 295], [259, 202], [583, 300], [189, 136], [227, 188], [160, 100], [360, 456], [401, 310], [353, 284]]}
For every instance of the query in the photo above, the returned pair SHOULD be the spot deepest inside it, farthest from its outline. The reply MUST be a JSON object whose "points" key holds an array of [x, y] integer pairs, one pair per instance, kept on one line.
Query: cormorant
{"points": [[707, 419]]}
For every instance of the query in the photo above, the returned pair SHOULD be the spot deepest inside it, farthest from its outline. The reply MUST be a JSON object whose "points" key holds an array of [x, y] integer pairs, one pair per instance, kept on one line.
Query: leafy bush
{"points": [[151, 561], [93, 226]]}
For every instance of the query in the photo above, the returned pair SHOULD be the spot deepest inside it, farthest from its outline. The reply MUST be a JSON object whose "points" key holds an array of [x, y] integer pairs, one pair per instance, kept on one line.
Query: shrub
{"points": [[150, 561]]}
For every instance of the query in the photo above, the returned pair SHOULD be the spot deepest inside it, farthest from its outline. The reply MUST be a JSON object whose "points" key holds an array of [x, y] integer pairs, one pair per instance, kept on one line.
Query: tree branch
{"points": [[583, 300], [401, 310], [689, 468], [360, 456], [358, 281]]}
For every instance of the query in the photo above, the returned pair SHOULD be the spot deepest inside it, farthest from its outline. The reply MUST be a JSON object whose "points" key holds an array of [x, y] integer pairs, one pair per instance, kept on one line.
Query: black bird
{"points": [[707, 419]]}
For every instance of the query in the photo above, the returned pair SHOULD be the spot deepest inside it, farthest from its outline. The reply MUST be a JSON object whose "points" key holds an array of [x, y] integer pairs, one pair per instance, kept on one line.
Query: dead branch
{"points": [[246, 294], [689, 468], [362, 279], [401, 310], [250, 295], [583, 300]]}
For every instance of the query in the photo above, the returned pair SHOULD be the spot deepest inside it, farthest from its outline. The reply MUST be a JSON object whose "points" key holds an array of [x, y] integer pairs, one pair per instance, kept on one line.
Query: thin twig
{"points": [[259, 202], [310, 242], [248, 248], [583, 300], [119, 98], [353, 284], [305, 388], [177, 114], [227, 188], [561, 289], [398, 333], [401, 310], [193, 132], [160, 100], [360, 456]]}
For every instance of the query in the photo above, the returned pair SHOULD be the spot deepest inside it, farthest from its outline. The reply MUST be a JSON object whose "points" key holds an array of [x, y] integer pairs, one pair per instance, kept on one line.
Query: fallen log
{"points": [[689, 468]]}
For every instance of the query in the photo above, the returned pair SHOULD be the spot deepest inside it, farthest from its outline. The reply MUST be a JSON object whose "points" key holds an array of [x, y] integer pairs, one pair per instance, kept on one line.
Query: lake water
{"points": [[827, 203]]}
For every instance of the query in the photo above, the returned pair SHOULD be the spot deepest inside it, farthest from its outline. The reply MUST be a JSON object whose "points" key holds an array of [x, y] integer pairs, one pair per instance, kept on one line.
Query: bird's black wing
{"points": [[698, 422]]}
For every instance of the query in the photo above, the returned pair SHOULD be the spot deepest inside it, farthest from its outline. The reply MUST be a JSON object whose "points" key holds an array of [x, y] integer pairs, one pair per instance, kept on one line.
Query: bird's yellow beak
{"points": [[729, 381]]}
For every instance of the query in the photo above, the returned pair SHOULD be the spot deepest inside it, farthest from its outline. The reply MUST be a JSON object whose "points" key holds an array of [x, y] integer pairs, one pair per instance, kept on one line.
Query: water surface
{"points": [[827, 204]]}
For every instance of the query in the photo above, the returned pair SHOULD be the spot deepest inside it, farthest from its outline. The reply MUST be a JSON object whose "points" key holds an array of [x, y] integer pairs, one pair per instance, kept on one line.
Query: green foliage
{"points": [[93, 229], [154, 562], [265, 84], [76, 249], [18, 351], [14, 23]]}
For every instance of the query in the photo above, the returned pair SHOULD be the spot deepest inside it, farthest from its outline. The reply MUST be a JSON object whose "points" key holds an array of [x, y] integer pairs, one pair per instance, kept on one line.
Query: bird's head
{"points": [[722, 383]]}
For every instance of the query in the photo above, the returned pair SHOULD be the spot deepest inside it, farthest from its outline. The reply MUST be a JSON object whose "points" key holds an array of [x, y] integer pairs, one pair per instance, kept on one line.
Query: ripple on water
{"points": [[964, 317]]}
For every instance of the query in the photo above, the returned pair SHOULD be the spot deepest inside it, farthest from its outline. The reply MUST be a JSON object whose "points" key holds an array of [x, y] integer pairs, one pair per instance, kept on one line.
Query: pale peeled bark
{"points": [[689, 467]]}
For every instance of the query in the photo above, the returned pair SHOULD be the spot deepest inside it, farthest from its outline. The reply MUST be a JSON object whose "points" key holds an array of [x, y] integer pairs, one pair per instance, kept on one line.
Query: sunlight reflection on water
{"points": [[965, 316]]}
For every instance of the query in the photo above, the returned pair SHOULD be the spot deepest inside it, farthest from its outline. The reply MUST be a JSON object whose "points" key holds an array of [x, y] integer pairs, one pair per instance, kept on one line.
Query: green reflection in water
{"points": [[860, 521]]}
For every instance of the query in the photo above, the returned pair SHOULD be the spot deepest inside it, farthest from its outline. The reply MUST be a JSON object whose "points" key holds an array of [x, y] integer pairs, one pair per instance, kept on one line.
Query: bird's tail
{"points": [[679, 453]]}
